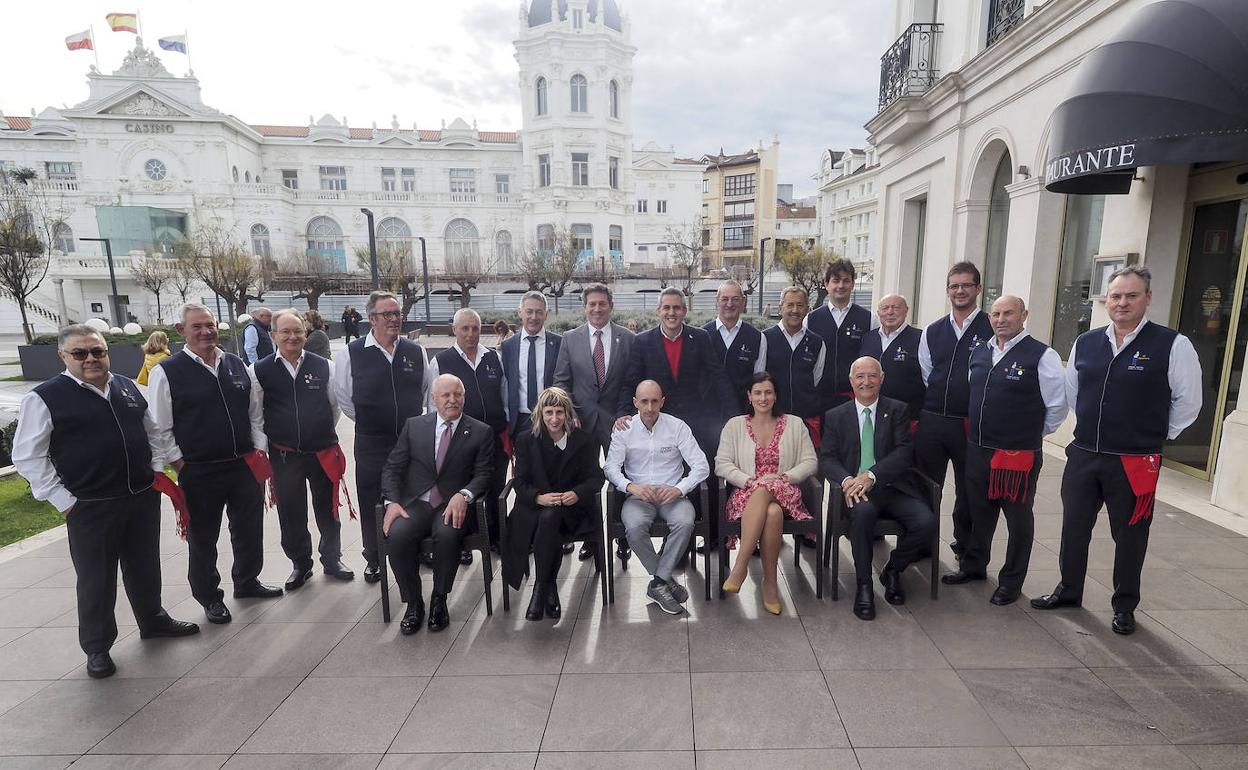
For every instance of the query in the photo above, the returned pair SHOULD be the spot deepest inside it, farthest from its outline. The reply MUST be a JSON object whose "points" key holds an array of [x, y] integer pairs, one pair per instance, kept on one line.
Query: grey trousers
{"points": [[637, 516]]}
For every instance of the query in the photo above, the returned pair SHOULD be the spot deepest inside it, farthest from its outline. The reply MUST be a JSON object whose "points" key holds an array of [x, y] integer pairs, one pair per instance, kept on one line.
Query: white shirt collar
{"points": [[562, 443], [719, 324], [862, 406], [606, 329], [541, 334], [1113, 339], [298, 361], [679, 334], [454, 423], [890, 337], [481, 350], [967, 322], [85, 384], [792, 337], [196, 358], [1017, 338]]}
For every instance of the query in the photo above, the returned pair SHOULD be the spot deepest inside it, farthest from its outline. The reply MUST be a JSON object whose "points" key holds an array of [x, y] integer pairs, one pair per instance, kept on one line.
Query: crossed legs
{"points": [[762, 524]]}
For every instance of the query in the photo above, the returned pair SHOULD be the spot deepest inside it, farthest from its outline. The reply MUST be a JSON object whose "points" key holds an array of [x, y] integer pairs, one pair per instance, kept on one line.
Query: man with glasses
{"points": [[842, 324], [379, 382], [895, 344], [944, 356], [741, 349], [84, 442]]}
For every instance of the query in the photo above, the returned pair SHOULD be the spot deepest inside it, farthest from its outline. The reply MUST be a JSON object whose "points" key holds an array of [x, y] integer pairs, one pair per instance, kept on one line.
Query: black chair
{"points": [[812, 496], [478, 541], [615, 529], [838, 525], [594, 539]]}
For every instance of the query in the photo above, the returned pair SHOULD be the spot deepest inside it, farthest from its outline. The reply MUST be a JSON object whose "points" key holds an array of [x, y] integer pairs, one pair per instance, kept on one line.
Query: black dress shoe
{"points": [[465, 558], [1054, 600], [339, 571], [217, 613], [553, 610], [1124, 623], [586, 552], [413, 618], [891, 580], [257, 590], [426, 558], [372, 574], [1003, 596], [439, 618], [165, 626], [960, 577], [296, 580], [537, 603], [100, 665], [569, 547], [622, 550], [864, 603], [701, 546]]}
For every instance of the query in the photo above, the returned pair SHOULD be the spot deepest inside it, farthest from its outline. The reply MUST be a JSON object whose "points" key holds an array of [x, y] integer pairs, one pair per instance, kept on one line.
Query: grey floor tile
{"points": [[13, 693], [1221, 634], [243, 610], [1189, 704], [9, 634], [630, 602], [303, 762], [1105, 757], [27, 570], [771, 699], [496, 648], [613, 645], [769, 643], [1057, 707], [151, 762], [375, 649], [1225, 757], [1096, 596], [894, 640], [791, 759], [479, 714], [458, 762], [199, 716], [1172, 589], [273, 649], [35, 606], [161, 658], [322, 600], [1231, 581], [367, 715], [1101, 552], [616, 760], [570, 592], [71, 717], [1088, 636], [994, 637], [38, 763], [984, 758], [648, 712], [919, 709], [1197, 553], [44, 653]]}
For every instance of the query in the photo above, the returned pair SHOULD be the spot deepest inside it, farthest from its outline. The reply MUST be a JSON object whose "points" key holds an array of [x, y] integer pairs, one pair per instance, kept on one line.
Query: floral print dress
{"points": [[767, 460]]}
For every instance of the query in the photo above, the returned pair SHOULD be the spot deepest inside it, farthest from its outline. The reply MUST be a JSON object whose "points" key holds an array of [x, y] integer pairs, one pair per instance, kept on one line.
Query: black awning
{"points": [[1170, 87]]}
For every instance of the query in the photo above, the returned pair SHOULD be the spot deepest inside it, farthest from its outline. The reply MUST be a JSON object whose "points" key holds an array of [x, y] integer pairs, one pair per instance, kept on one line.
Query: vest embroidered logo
{"points": [[406, 363], [311, 381], [1137, 362], [974, 343], [899, 354], [853, 332], [1014, 372]]}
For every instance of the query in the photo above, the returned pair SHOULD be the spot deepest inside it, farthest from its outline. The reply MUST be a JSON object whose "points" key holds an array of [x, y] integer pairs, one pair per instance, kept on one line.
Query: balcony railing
{"points": [[1003, 17], [908, 68]]}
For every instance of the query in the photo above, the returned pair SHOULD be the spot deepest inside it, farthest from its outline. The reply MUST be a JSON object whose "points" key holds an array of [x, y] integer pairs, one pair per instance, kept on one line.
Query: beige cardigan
{"points": [[734, 462]]}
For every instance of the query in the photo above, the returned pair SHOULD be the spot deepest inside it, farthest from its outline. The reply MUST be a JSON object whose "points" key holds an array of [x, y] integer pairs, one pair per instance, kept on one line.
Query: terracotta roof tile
{"points": [[16, 123], [290, 131]]}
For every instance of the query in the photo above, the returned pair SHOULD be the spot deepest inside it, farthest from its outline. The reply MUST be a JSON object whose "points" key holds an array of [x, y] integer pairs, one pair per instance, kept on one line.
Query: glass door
{"points": [[1212, 315]]}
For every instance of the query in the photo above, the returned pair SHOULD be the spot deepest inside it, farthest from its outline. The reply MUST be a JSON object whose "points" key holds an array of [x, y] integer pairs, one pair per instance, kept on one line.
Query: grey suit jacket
{"points": [[574, 372], [411, 469]]}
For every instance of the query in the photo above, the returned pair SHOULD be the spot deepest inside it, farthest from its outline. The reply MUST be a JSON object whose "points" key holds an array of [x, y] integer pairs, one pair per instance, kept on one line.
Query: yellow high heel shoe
{"points": [[731, 587], [772, 607]]}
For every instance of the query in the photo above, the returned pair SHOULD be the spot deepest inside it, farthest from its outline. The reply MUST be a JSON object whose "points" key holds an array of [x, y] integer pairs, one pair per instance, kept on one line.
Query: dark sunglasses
{"points": [[96, 353]]}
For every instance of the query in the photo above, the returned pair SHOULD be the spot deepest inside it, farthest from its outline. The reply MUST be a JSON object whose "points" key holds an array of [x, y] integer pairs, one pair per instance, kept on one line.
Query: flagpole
{"points": [[94, 49], [186, 39]]}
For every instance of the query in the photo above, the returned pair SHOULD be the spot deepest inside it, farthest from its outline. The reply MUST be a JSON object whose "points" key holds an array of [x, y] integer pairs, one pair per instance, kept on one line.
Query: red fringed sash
{"points": [[1142, 472], [815, 426], [260, 466], [164, 485], [1007, 474], [334, 462]]}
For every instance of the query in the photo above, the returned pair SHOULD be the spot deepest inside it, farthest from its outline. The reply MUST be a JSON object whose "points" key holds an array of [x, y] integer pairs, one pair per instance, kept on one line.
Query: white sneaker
{"points": [[662, 596]]}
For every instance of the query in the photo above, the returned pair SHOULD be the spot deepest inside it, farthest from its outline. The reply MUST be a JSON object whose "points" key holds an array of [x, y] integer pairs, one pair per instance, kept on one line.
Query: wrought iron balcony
{"points": [[908, 68], [1003, 17]]}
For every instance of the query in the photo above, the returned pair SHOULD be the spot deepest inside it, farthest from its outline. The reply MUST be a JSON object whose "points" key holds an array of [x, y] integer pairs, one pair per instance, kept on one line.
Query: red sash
{"points": [[164, 485], [260, 466], [1142, 472], [1007, 474], [815, 426], [334, 462]]}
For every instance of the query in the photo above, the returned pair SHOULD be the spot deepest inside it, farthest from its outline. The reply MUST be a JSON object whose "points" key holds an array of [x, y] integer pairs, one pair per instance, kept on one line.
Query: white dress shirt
{"points": [[729, 335], [257, 392], [925, 353], [606, 345], [1052, 380], [562, 443], [160, 407], [432, 372], [33, 439], [522, 368], [251, 340], [862, 410], [342, 372], [1184, 377], [639, 455], [886, 339], [796, 339]]}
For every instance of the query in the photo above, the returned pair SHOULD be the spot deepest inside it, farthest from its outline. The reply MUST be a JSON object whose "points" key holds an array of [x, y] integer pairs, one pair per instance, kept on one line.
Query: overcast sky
{"points": [[707, 74]]}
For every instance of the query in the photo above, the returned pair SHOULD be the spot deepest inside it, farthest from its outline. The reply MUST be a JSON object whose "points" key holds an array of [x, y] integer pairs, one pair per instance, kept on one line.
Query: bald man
{"points": [[895, 344], [1018, 396]]}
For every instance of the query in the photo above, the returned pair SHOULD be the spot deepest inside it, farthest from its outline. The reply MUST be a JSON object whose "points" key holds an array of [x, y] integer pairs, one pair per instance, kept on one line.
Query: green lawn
{"points": [[20, 514]]}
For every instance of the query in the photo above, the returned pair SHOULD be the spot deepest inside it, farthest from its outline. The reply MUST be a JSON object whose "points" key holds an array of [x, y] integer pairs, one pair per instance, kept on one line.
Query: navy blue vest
{"points": [[794, 372], [297, 412], [903, 376], [739, 359], [948, 390], [844, 345], [483, 395], [99, 448], [1123, 404], [1007, 407], [210, 414], [386, 393], [264, 342]]}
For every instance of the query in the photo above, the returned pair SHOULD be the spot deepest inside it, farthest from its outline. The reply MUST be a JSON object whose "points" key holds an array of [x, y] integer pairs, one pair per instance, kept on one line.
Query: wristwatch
{"points": [[467, 495]]}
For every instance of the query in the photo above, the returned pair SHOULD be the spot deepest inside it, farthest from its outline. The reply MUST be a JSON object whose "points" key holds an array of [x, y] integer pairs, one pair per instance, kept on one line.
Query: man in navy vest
{"points": [[1134, 385], [528, 362], [485, 399], [842, 325], [895, 344], [379, 382], [295, 390], [740, 347], [84, 442], [257, 336], [944, 350], [1018, 396], [795, 360], [210, 431]]}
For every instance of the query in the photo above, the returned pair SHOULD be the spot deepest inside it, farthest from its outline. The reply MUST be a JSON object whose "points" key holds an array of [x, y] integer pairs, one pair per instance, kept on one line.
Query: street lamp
{"points": [[372, 248], [112, 278], [762, 245], [424, 266]]}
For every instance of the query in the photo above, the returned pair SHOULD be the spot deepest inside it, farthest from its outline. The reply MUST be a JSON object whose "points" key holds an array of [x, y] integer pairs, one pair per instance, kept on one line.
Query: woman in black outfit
{"points": [[557, 477]]}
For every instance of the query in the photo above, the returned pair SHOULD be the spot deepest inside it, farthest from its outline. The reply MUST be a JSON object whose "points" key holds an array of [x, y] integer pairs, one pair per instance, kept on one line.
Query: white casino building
{"points": [[142, 157]]}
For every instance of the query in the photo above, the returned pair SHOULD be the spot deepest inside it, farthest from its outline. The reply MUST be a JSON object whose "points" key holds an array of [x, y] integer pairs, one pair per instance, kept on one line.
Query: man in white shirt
{"points": [[646, 462], [741, 348], [528, 362], [257, 336]]}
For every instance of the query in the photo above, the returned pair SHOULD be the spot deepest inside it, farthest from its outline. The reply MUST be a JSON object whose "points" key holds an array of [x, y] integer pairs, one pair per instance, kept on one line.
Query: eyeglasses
{"points": [[389, 315], [98, 354], [961, 286]]}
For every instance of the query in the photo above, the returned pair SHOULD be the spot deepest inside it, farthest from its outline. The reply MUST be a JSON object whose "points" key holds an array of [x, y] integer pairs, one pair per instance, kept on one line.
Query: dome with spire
{"points": [[539, 12]]}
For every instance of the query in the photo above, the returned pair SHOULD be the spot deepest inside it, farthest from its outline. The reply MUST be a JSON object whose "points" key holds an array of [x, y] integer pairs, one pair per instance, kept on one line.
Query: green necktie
{"points": [[868, 442]]}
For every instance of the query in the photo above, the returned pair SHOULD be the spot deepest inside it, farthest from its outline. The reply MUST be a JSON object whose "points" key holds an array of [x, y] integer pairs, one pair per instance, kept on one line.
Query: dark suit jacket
{"points": [[840, 449], [512, 366], [574, 372], [410, 471]]}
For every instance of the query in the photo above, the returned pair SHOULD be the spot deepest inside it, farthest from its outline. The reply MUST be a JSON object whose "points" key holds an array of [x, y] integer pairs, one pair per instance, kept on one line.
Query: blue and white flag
{"points": [[174, 43]]}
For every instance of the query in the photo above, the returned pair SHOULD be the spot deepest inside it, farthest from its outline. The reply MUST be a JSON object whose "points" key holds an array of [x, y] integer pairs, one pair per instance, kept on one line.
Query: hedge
{"points": [[135, 339]]}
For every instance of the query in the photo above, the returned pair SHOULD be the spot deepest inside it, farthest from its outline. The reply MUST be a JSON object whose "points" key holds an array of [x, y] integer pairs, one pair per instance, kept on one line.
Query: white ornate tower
{"points": [[576, 95]]}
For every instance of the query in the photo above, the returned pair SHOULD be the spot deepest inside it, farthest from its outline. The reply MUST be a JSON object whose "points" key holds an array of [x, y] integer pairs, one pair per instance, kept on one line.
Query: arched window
{"points": [[462, 240], [234, 172], [546, 238], [394, 245], [62, 238], [998, 231], [616, 242], [260, 241], [580, 94], [393, 228], [502, 249], [247, 176], [326, 249], [614, 91], [541, 96]]}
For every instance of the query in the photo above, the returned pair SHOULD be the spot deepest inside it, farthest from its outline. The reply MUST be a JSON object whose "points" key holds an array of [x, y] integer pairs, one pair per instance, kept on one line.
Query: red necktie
{"points": [[600, 359], [444, 443]]}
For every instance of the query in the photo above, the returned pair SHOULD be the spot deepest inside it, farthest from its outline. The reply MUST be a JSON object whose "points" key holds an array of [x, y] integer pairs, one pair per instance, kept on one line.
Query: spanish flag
{"points": [[123, 22]]}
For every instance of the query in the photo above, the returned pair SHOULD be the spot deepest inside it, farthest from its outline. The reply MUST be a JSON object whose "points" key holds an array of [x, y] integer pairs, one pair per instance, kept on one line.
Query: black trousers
{"points": [[211, 488], [295, 474], [103, 533], [917, 521], [938, 441], [403, 544], [370, 457], [1090, 480], [498, 480], [1019, 519]]}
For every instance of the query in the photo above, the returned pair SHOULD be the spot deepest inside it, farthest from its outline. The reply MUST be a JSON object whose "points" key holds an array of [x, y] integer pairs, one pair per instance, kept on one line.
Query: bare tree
{"points": [[28, 223], [465, 272], [222, 263], [563, 260], [182, 274], [533, 266], [307, 277], [746, 276], [396, 270], [685, 247], [804, 264], [154, 274]]}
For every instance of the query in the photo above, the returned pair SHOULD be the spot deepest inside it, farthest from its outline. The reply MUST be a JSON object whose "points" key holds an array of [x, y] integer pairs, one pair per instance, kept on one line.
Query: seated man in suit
{"points": [[440, 465], [866, 449]]}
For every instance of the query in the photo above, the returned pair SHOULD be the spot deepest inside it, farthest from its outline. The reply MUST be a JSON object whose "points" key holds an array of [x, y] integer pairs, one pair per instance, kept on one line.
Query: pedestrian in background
{"points": [[155, 350]]}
